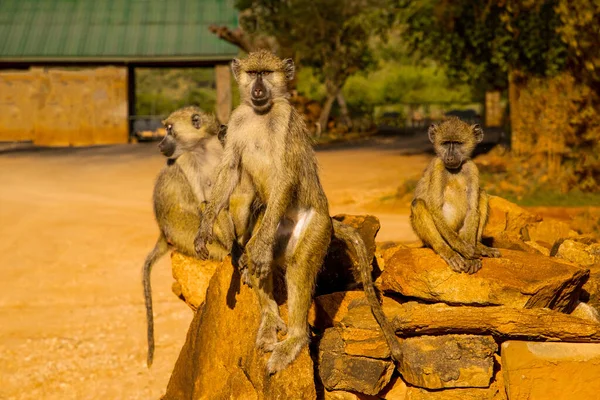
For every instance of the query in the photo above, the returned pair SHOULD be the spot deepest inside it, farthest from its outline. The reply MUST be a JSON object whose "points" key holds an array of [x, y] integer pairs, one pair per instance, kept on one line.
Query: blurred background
{"points": [[84, 85]]}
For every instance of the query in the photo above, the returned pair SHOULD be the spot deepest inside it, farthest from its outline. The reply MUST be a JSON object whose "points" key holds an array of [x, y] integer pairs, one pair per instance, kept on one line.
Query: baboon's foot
{"points": [[456, 262], [285, 352], [488, 251], [472, 266], [270, 324]]}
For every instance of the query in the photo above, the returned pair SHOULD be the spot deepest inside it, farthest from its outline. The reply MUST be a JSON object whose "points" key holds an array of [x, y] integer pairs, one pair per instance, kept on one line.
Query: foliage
{"points": [[580, 31], [332, 36], [161, 91], [480, 42]]}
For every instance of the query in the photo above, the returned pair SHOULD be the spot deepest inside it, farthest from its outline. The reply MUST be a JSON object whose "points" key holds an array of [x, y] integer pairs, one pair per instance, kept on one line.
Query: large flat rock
{"points": [[517, 279], [556, 371], [219, 359]]}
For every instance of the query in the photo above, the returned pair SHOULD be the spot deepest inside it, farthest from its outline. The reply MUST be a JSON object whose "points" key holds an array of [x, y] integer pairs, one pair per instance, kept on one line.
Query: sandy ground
{"points": [[76, 226]]}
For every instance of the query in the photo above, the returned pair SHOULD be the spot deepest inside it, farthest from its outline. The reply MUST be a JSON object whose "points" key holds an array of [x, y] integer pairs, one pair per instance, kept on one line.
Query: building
{"points": [[67, 67]]}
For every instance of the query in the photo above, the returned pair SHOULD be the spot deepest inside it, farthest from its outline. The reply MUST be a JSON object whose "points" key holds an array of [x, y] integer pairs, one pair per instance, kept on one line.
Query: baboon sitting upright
{"points": [[449, 209], [193, 150], [268, 143]]}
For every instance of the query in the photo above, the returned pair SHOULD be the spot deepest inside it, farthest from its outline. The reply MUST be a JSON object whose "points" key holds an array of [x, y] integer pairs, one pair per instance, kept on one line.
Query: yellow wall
{"points": [[64, 108]]}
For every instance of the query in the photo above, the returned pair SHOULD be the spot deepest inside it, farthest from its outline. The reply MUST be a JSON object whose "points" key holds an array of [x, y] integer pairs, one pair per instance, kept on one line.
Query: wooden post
{"points": [[223, 81], [493, 109], [130, 98]]}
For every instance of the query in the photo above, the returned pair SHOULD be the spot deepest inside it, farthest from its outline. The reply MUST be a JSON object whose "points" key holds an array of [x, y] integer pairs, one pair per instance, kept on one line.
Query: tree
{"points": [[544, 51], [332, 36]]}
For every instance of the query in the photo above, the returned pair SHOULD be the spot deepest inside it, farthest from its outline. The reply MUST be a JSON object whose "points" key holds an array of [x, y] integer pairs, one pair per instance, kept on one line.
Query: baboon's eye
{"points": [[251, 73], [267, 73]]}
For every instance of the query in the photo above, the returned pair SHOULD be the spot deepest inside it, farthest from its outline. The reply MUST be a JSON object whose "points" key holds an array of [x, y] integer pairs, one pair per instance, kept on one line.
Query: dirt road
{"points": [[75, 228]]}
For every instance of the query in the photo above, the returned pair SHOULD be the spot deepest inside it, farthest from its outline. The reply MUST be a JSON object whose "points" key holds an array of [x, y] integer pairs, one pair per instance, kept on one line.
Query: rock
{"points": [[339, 271], [343, 395], [507, 219], [399, 390], [516, 279], [548, 231], [328, 310], [541, 247], [554, 371], [448, 361], [219, 359], [585, 311], [339, 371], [365, 343], [414, 318], [591, 290], [386, 250], [192, 277], [579, 253]]}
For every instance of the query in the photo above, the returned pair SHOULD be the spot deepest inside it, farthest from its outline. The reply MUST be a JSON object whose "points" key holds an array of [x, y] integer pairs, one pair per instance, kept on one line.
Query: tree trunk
{"points": [[341, 100], [324, 117], [518, 140]]}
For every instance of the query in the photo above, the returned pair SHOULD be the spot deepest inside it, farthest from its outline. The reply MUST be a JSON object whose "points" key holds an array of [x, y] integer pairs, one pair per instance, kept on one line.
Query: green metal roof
{"points": [[120, 30]]}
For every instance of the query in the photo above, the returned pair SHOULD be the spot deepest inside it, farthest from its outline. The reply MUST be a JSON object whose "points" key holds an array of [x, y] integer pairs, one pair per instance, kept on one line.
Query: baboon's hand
{"points": [[457, 263], [261, 258], [488, 251], [472, 266], [469, 250], [203, 237]]}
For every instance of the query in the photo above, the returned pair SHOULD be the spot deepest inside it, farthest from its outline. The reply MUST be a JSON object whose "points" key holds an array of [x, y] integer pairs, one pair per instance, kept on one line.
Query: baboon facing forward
{"points": [[268, 144], [449, 209]]}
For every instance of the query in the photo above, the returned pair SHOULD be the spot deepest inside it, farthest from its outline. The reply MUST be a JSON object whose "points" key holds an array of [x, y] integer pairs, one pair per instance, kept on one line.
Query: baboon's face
{"points": [[454, 141], [263, 78], [184, 129]]}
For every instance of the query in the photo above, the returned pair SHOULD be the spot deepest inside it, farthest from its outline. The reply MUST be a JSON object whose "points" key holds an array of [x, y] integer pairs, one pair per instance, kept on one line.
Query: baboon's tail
{"points": [[350, 234], [160, 248]]}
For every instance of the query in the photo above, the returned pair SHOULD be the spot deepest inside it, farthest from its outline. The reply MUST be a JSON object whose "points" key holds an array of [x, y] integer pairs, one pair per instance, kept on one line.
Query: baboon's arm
{"points": [[471, 224], [227, 179], [436, 200]]}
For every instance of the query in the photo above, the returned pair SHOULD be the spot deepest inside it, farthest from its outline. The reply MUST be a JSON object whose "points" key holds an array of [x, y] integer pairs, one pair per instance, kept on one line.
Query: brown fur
{"points": [[180, 191], [449, 209], [269, 144]]}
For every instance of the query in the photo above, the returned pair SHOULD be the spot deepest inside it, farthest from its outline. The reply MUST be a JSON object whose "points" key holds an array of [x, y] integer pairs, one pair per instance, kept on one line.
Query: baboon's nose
{"points": [[258, 92]]}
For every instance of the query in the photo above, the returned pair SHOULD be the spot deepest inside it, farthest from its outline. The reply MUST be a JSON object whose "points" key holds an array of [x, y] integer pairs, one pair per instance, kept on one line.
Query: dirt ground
{"points": [[76, 227]]}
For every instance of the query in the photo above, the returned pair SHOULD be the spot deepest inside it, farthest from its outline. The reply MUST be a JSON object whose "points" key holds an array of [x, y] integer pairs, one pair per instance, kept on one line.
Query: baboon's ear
{"points": [[222, 135], [431, 132], [289, 68], [235, 68], [477, 133], [196, 121]]}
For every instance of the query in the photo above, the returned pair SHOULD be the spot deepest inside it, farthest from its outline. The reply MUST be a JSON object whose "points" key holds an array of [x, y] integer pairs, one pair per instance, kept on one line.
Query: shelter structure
{"points": [[67, 67]]}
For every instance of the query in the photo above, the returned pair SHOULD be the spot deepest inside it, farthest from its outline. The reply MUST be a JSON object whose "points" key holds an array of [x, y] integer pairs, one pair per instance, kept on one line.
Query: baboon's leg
{"points": [[425, 228], [301, 272], [270, 321], [483, 216]]}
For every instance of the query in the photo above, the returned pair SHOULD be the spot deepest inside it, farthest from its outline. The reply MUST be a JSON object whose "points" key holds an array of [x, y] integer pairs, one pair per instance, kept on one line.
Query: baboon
{"points": [[449, 210], [193, 150], [268, 142]]}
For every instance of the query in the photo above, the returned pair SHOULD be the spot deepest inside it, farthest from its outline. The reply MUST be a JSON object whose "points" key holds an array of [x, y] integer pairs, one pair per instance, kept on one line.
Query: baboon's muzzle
{"points": [[259, 95], [167, 147]]}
